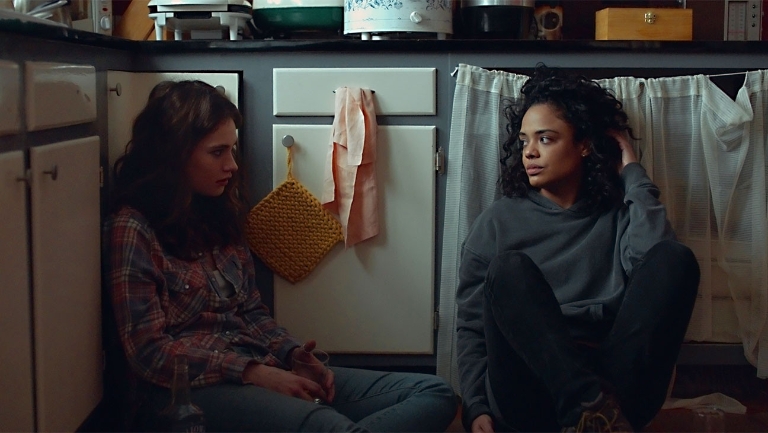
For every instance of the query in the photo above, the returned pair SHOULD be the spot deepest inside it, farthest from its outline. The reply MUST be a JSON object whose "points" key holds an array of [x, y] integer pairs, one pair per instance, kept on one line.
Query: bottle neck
{"points": [[180, 387]]}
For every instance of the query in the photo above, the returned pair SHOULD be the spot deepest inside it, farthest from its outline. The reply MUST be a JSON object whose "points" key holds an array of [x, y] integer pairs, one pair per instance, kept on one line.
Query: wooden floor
{"points": [[682, 420], [736, 382]]}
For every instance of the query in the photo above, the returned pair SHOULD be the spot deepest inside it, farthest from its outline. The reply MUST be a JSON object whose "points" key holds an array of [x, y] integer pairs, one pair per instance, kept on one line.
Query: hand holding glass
{"points": [[312, 365]]}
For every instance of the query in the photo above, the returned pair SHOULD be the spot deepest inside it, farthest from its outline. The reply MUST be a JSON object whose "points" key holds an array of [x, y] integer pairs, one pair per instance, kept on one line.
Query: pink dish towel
{"points": [[349, 189]]}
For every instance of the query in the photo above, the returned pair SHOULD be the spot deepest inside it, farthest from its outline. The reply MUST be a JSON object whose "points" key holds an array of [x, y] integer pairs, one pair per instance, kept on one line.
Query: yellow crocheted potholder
{"points": [[290, 230]]}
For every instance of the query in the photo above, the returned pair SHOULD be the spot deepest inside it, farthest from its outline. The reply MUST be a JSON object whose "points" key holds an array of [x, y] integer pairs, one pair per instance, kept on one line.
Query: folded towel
{"points": [[349, 190]]}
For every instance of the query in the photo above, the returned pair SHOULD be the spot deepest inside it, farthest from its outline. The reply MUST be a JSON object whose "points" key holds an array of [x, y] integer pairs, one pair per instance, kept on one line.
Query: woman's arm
{"points": [[647, 216], [264, 329]]}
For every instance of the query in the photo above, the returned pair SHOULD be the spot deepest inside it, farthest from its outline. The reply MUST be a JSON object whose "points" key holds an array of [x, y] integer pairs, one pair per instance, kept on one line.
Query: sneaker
{"points": [[602, 415]]}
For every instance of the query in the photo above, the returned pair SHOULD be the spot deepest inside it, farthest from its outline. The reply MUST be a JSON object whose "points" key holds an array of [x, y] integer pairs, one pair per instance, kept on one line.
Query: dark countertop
{"points": [[343, 44]]}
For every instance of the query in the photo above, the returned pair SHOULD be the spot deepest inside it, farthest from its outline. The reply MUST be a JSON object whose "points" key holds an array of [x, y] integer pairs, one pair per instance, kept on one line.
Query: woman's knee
{"points": [[439, 387], [444, 400], [680, 260], [670, 264], [676, 254]]}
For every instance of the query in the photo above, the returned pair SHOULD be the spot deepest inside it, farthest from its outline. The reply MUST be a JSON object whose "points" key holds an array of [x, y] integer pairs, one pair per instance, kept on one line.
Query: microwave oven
{"points": [[92, 16]]}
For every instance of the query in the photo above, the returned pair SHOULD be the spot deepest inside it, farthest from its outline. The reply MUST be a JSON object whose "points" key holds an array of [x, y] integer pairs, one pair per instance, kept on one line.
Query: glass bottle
{"points": [[181, 415]]}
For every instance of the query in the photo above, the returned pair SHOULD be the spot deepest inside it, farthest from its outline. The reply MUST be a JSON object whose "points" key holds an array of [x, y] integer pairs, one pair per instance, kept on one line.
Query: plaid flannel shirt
{"points": [[166, 306]]}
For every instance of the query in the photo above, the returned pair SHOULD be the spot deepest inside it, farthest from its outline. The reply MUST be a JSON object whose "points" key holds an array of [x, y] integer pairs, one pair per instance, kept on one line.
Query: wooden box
{"points": [[644, 24]]}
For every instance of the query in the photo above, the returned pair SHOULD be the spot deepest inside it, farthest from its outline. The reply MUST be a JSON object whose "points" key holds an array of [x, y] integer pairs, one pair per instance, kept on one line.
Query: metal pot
{"points": [[498, 19]]}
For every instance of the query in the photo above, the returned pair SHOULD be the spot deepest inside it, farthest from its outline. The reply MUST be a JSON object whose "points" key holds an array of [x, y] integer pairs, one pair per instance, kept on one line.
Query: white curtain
{"points": [[705, 151]]}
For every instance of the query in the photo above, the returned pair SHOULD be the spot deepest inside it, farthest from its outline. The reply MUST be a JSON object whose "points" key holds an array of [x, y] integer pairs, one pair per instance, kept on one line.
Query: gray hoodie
{"points": [[586, 257]]}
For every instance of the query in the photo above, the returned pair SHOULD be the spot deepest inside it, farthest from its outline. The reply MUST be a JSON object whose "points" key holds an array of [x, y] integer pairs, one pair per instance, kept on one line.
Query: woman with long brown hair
{"points": [[182, 282]]}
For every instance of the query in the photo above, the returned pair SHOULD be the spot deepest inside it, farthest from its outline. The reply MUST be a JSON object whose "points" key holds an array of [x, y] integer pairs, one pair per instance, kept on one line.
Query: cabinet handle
{"points": [[372, 91], [221, 89], [287, 140], [118, 89], [54, 172]]}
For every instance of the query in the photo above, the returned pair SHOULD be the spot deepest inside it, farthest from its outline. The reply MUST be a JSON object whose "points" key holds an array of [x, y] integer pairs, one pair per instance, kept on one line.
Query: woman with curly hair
{"points": [[182, 281], [574, 295]]}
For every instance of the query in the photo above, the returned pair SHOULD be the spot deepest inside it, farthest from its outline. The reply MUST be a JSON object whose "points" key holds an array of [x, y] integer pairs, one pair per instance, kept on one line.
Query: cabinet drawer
{"points": [[9, 98], [59, 94], [309, 91]]}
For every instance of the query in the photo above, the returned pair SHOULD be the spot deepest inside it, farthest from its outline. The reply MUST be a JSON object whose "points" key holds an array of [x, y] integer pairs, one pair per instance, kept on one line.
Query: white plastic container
{"points": [[375, 18]]}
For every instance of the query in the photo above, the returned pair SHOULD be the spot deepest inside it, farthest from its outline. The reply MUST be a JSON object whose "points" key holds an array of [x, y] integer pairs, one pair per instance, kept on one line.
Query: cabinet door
{"points": [[134, 90], [16, 404], [376, 297], [66, 279]]}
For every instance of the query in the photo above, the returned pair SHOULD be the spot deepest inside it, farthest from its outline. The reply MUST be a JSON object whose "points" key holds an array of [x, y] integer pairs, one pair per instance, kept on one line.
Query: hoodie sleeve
{"points": [[647, 222]]}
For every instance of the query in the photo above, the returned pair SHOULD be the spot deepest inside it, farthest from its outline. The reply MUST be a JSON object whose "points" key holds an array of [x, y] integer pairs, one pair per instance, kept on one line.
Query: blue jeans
{"points": [[366, 400], [539, 375]]}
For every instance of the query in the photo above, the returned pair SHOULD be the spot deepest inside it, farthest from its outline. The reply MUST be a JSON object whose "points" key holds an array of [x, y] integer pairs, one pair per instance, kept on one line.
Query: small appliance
{"points": [[744, 20], [203, 19], [92, 16], [378, 19], [305, 17], [499, 19]]}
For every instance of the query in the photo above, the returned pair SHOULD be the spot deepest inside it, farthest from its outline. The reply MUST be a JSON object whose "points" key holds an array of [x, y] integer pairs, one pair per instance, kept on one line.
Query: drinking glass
{"points": [[315, 370], [709, 419]]}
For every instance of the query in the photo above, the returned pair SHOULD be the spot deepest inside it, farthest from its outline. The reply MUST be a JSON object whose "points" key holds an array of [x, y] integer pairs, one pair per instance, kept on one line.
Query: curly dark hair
{"points": [[592, 111], [150, 175]]}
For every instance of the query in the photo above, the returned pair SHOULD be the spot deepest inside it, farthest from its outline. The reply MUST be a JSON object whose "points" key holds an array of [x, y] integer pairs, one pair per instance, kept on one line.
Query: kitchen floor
{"points": [[738, 382]]}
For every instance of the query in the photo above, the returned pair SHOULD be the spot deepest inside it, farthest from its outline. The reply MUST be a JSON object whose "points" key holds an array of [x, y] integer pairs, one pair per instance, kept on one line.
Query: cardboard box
{"points": [[644, 24]]}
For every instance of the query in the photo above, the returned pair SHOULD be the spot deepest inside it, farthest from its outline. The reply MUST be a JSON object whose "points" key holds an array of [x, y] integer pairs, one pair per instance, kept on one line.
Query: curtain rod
{"points": [[727, 74]]}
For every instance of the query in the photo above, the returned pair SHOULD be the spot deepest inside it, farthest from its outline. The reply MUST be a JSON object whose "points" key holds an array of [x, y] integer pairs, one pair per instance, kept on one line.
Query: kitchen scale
{"points": [[204, 19]]}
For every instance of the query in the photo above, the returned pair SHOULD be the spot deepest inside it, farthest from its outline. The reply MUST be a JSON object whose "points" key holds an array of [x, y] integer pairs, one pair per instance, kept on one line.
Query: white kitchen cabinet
{"points": [[50, 251], [56, 386], [59, 94], [66, 281], [16, 396], [376, 297]]}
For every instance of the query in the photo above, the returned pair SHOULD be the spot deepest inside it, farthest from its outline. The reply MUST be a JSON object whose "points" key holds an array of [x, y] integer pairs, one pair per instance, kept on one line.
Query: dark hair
{"points": [[592, 111], [150, 175]]}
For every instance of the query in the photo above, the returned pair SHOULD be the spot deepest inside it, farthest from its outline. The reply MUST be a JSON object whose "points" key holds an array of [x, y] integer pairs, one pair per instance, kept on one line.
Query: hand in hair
{"points": [[627, 152]]}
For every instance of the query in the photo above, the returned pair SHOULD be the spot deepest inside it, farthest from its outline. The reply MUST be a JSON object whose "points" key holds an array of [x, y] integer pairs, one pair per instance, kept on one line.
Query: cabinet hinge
{"points": [[440, 161], [101, 177], [436, 319]]}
